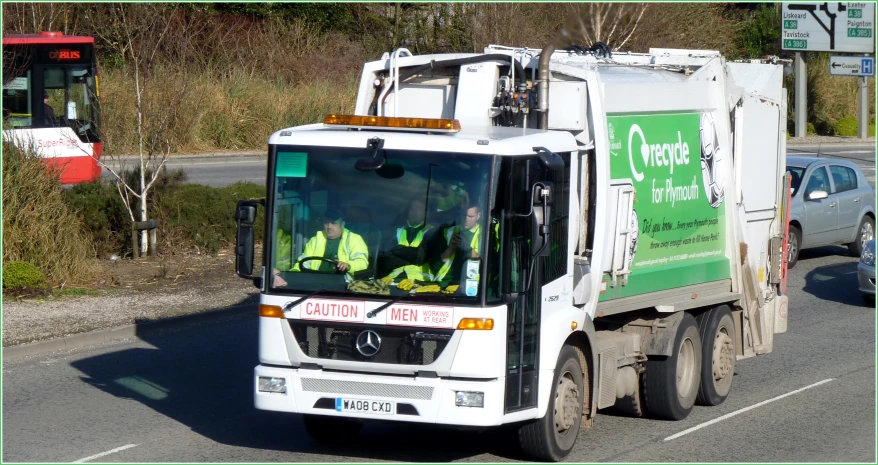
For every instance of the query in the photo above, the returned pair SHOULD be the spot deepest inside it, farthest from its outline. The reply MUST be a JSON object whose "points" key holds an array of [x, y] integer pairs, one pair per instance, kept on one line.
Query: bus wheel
{"points": [[331, 430], [671, 383], [552, 437], [717, 330]]}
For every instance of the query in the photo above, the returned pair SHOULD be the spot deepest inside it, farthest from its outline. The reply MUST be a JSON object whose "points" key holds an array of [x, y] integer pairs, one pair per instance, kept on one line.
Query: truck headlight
{"points": [[469, 399], [868, 257], [267, 384]]}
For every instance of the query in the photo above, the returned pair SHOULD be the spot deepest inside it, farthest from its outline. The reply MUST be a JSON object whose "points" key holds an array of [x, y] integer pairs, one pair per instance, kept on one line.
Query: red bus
{"points": [[50, 101]]}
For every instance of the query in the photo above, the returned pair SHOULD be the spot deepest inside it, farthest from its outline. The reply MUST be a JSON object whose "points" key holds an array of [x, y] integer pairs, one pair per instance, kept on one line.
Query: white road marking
{"points": [[745, 409], [102, 454]]}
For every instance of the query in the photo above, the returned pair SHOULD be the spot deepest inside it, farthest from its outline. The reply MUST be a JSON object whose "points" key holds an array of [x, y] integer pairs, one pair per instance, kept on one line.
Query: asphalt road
{"points": [[185, 396], [215, 170], [222, 170]]}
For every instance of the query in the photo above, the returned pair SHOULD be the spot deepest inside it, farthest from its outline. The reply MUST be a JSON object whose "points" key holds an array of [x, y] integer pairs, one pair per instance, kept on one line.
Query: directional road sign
{"points": [[851, 66], [829, 27]]}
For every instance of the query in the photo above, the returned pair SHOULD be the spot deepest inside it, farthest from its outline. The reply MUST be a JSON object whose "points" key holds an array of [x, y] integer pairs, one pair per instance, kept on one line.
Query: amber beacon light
{"points": [[412, 124]]}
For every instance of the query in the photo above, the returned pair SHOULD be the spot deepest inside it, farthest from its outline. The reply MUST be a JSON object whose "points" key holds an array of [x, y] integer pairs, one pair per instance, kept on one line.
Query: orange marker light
{"points": [[485, 324], [421, 124], [271, 311]]}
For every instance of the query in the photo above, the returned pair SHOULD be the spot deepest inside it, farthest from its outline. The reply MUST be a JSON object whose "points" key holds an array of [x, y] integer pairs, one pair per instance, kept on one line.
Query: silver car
{"points": [[832, 204], [866, 273]]}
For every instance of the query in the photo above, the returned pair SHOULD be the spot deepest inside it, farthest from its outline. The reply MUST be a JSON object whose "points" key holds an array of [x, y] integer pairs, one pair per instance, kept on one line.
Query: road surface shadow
{"points": [[201, 376], [835, 283], [820, 252]]}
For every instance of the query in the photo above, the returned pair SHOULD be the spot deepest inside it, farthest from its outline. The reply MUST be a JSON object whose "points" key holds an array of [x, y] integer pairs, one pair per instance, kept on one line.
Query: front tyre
{"points": [[551, 438], [331, 430], [671, 383], [717, 330]]}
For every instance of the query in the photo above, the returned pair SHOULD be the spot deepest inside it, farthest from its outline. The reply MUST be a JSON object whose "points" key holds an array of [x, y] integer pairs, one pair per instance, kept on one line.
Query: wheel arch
{"points": [[584, 341]]}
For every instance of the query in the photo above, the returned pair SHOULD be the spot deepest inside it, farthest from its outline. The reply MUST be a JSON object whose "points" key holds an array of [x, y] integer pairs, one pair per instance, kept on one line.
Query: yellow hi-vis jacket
{"points": [[474, 244], [351, 250], [419, 272]]}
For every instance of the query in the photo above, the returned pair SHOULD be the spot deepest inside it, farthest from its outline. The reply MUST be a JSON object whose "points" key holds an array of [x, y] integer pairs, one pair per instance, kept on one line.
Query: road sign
{"points": [[851, 66], [829, 27]]}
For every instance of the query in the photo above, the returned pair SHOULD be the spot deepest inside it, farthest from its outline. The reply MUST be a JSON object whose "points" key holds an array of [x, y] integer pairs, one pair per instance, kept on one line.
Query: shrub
{"points": [[810, 130], [846, 126], [101, 209], [39, 227], [21, 274], [204, 217]]}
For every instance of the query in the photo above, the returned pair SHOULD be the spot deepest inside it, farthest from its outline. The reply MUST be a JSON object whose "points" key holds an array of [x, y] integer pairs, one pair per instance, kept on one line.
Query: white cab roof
{"points": [[490, 140]]}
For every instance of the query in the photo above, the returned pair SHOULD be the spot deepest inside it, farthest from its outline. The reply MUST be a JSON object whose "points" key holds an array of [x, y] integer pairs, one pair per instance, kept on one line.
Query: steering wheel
{"points": [[308, 270]]}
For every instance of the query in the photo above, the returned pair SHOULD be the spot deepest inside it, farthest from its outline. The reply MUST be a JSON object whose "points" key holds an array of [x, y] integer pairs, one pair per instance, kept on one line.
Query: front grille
{"points": [[399, 346], [357, 388]]}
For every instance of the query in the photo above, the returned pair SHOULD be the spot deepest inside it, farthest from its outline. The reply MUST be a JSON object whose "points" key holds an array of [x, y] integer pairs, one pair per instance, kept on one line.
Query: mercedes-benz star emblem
{"points": [[368, 343]]}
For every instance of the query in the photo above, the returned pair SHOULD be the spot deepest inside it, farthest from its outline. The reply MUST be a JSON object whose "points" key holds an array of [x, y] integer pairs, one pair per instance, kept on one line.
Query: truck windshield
{"points": [[416, 226]]}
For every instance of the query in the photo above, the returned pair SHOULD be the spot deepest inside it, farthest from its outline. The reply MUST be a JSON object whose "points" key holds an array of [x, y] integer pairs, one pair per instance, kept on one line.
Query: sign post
{"points": [[846, 27]]}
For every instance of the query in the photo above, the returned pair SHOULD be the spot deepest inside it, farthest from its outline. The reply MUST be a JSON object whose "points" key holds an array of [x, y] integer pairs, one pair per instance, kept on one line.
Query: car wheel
{"points": [[865, 233], [794, 246], [869, 299]]}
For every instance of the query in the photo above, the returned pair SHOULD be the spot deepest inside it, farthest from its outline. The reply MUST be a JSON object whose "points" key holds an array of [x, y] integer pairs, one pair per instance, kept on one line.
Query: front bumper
{"points": [[421, 400], [866, 277]]}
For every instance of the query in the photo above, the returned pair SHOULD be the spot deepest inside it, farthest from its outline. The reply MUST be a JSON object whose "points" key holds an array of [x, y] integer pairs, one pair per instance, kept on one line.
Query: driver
{"points": [[341, 249]]}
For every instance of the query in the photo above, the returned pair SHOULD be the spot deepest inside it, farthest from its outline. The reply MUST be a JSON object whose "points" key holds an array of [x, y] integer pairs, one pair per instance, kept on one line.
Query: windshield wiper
{"points": [[292, 304], [381, 308]]}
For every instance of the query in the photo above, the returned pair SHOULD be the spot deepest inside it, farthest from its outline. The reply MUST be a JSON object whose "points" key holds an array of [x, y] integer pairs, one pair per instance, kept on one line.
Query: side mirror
{"points": [[245, 216], [817, 195], [550, 159], [542, 201]]}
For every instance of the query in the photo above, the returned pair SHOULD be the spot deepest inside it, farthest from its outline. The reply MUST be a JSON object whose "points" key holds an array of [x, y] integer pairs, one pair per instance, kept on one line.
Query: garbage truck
{"points": [[522, 237]]}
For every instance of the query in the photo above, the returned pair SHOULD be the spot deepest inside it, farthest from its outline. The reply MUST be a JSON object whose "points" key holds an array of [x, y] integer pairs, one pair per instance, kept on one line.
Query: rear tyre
{"points": [[552, 437], [794, 246], [331, 430], [671, 383], [869, 300], [865, 233], [717, 330]]}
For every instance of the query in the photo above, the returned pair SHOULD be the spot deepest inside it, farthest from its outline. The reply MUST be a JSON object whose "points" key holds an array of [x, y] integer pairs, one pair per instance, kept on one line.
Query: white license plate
{"points": [[344, 404]]}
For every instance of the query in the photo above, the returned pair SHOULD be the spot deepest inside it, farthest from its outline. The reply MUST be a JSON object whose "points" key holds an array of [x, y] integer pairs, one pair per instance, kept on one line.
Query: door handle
{"points": [[857, 200], [832, 205]]}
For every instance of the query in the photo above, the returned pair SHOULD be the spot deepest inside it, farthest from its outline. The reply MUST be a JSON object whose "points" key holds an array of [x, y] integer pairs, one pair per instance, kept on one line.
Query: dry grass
{"points": [[831, 98], [38, 225]]}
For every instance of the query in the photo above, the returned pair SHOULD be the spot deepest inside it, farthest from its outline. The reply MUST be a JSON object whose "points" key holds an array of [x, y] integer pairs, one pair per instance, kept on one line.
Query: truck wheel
{"points": [[671, 383], [793, 247], [551, 437], [865, 233], [717, 330], [331, 430]]}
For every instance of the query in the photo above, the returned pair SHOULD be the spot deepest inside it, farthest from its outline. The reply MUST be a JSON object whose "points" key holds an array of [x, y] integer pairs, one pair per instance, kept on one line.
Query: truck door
{"points": [[517, 250]]}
